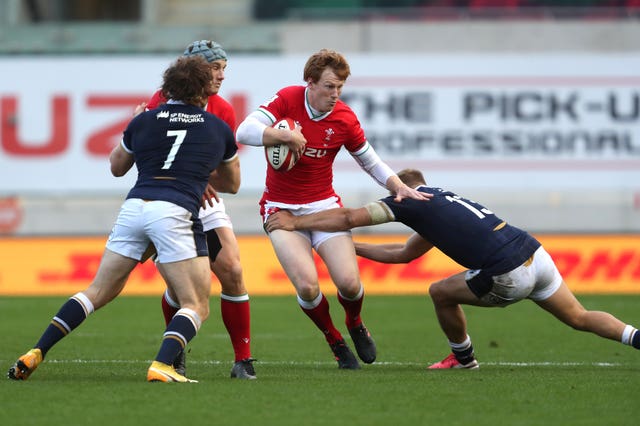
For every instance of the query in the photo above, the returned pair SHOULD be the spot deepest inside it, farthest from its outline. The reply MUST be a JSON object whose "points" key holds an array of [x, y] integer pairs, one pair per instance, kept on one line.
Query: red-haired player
{"points": [[327, 125]]}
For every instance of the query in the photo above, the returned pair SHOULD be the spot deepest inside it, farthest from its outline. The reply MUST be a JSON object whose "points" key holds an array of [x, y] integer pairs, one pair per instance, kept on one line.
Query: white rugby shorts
{"points": [[316, 238], [215, 217], [172, 229], [537, 279]]}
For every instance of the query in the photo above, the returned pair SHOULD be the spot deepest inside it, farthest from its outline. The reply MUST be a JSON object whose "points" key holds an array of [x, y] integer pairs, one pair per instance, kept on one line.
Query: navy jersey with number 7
{"points": [[175, 148]]}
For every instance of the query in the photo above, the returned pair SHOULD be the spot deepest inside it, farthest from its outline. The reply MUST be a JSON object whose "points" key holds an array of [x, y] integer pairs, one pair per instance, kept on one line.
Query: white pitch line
{"points": [[306, 363]]}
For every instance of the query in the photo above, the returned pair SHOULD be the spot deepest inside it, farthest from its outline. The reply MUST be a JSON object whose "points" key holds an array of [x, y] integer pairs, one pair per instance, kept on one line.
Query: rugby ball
{"points": [[280, 157]]}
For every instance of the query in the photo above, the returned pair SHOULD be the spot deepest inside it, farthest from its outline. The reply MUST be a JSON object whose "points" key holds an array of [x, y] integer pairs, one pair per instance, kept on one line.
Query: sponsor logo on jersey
{"points": [[179, 117]]}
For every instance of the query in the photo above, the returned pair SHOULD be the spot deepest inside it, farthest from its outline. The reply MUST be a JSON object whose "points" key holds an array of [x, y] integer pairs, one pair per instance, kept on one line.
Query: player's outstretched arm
{"points": [[414, 247], [331, 220], [401, 190]]}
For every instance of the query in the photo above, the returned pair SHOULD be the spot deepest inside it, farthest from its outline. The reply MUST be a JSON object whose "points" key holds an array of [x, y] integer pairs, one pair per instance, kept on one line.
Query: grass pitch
{"points": [[533, 369]]}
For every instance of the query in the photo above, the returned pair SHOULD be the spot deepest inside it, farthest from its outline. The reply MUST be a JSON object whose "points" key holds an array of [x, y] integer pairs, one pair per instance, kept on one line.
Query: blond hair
{"points": [[412, 177]]}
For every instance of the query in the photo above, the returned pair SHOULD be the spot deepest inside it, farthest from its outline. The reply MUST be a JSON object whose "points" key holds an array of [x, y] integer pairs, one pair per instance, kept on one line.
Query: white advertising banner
{"points": [[467, 121]]}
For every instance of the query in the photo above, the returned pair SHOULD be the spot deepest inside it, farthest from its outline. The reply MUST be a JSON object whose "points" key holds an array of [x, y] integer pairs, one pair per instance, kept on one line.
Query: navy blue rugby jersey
{"points": [[466, 231], [175, 148]]}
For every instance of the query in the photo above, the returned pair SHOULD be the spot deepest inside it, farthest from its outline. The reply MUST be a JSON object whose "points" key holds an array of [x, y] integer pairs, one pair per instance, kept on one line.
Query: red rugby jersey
{"points": [[312, 177]]}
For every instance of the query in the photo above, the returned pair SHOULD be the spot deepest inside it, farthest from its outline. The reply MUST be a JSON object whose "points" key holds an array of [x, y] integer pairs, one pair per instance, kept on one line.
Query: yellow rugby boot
{"points": [[25, 365], [160, 372]]}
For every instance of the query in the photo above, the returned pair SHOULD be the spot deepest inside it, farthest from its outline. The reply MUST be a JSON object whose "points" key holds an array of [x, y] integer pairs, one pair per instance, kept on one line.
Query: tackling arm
{"points": [[414, 247], [330, 220]]}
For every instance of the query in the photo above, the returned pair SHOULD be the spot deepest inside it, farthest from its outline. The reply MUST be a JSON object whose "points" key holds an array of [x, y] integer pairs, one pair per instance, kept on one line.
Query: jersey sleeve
{"points": [[278, 105], [231, 149], [156, 100], [357, 138], [127, 142]]}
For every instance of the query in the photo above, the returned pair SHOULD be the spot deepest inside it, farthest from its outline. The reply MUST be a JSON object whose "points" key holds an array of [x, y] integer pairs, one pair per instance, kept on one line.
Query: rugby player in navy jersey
{"points": [[505, 263], [224, 253], [175, 148]]}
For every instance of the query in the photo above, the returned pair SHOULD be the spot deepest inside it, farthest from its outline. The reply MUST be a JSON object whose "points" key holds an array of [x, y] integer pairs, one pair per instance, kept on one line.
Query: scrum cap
{"points": [[210, 50]]}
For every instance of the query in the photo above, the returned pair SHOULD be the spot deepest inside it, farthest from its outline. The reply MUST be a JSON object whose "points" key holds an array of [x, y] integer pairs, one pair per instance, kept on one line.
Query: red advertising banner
{"points": [[63, 266]]}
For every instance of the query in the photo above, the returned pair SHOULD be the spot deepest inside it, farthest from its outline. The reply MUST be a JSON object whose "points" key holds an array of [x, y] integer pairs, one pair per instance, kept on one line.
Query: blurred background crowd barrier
{"points": [[532, 107], [285, 26]]}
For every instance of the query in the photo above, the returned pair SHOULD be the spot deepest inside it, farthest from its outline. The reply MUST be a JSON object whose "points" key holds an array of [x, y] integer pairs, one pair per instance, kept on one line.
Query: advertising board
{"points": [[491, 121]]}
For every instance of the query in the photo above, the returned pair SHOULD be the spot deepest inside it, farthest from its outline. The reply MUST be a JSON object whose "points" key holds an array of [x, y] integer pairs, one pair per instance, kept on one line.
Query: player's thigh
{"points": [[562, 304], [110, 278], [227, 266], [340, 258], [190, 280], [215, 218], [293, 250], [454, 290], [230, 252], [214, 246]]}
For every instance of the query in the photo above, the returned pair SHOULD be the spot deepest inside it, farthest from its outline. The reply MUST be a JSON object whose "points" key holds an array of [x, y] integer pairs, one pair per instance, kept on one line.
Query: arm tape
{"points": [[379, 212]]}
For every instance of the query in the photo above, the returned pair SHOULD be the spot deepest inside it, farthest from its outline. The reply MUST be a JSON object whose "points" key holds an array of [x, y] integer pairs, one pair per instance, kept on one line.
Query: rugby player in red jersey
{"points": [[326, 124]]}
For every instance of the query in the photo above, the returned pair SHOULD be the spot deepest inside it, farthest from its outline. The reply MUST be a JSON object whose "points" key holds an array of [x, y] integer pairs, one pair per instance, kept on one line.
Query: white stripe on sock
{"points": [[192, 316], [241, 298], [170, 301], [627, 334], [310, 304], [461, 346], [357, 297], [84, 302]]}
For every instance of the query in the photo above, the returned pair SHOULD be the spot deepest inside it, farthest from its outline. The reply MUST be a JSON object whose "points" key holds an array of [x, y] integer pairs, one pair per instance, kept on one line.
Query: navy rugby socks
{"points": [[182, 328], [463, 351], [70, 316]]}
